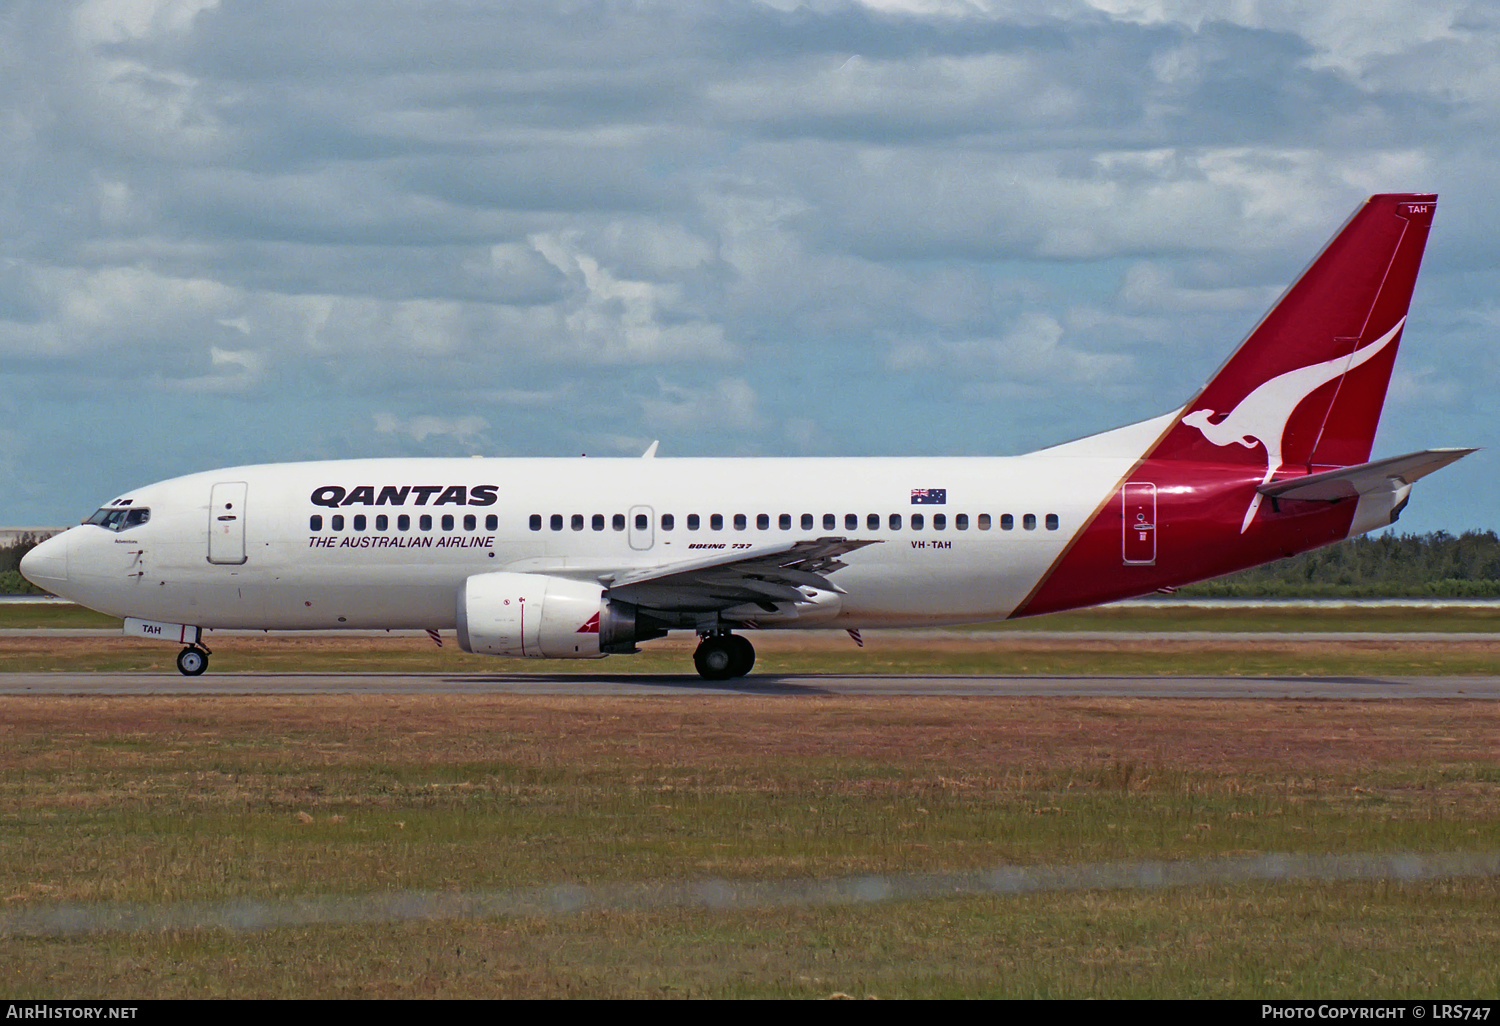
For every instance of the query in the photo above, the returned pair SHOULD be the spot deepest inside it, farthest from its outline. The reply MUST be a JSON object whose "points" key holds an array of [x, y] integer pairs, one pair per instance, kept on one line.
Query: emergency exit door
{"points": [[1139, 526], [226, 523], [642, 527]]}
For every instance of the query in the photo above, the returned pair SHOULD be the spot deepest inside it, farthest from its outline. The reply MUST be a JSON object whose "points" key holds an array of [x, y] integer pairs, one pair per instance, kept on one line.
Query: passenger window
{"points": [[447, 521], [716, 522], [807, 521], [556, 523], [895, 521], [1007, 522], [873, 521], [984, 522], [597, 523], [642, 521], [939, 522], [382, 522], [668, 521], [918, 521], [492, 523], [692, 521], [830, 522], [577, 521], [359, 521], [315, 523], [784, 521], [739, 522], [762, 521], [617, 521], [851, 521], [1051, 521], [403, 523], [424, 522], [1029, 521], [961, 521], [536, 522], [471, 522], [337, 521]]}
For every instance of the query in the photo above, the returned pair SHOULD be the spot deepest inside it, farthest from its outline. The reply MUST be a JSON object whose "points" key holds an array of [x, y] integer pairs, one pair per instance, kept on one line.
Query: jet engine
{"points": [[540, 616]]}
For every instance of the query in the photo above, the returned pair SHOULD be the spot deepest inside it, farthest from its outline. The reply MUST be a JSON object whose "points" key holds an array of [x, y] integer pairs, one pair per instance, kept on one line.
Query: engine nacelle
{"points": [[1379, 509], [539, 616]]}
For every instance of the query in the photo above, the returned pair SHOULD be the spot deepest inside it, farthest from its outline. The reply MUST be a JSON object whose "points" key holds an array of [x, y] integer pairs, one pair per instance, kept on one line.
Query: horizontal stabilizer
{"points": [[1363, 478]]}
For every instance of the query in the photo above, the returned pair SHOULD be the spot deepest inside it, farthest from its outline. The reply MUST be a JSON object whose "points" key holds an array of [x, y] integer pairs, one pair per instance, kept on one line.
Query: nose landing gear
{"points": [[721, 655], [192, 660]]}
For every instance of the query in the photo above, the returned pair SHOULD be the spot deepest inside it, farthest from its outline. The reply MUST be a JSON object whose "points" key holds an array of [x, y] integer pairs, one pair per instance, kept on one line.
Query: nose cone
{"points": [[47, 564]]}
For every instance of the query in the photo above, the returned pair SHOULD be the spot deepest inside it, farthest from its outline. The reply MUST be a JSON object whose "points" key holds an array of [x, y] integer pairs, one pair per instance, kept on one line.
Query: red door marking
{"points": [[1138, 542]]}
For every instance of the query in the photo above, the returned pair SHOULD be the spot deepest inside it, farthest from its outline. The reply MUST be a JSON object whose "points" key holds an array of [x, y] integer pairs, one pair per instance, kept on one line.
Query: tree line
{"points": [[11, 581], [1436, 565]]}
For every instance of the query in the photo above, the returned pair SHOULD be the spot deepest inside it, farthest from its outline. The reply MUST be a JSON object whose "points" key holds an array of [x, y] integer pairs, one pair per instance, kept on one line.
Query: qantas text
{"points": [[397, 495]]}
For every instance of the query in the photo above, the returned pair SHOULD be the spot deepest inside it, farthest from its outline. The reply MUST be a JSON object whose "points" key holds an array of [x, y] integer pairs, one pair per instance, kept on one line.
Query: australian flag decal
{"points": [[929, 496]]}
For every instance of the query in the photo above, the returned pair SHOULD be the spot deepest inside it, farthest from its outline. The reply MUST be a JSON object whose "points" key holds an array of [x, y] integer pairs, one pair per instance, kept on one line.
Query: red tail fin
{"points": [[1306, 387]]}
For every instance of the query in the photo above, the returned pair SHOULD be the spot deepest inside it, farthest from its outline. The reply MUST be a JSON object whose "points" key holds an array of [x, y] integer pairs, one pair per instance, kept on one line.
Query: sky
{"points": [[241, 231]]}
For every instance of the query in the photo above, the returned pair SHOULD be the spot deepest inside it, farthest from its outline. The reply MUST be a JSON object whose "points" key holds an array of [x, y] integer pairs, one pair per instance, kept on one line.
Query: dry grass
{"points": [[1257, 942], [163, 799], [1026, 735]]}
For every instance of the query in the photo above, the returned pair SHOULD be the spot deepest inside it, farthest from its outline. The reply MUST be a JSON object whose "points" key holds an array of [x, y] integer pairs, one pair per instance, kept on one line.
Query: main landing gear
{"points": [[721, 655], [192, 660]]}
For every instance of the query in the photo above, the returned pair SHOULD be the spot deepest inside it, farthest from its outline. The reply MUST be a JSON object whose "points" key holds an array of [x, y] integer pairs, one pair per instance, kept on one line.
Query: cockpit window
{"points": [[119, 518]]}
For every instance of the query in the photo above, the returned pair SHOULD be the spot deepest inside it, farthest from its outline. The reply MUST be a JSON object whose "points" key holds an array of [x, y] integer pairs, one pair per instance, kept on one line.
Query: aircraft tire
{"points": [[744, 655], [192, 661], [715, 659]]}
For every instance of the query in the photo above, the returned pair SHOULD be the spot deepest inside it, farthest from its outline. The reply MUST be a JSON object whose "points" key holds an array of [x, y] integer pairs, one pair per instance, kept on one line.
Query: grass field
{"points": [[167, 800], [1149, 641], [161, 801]]}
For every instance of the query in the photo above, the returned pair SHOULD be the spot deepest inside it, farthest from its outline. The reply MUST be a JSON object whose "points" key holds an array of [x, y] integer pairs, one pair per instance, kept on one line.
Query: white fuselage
{"points": [[1004, 522]]}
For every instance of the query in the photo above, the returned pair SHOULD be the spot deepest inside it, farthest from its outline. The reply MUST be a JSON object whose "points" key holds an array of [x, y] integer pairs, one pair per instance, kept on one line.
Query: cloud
{"points": [[1336, 39], [615, 320], [466, 430], [565, 227], [1424, 388], [1031, 351], [727, 403], [1152, 286]]}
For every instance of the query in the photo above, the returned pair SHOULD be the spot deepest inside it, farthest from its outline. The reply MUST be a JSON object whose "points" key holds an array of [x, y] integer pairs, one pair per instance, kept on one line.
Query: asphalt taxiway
{"points": [[789, 685]]}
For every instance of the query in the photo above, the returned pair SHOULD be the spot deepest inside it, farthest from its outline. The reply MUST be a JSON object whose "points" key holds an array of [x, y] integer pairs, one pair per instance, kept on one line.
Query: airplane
{"points": [[584, 557]]}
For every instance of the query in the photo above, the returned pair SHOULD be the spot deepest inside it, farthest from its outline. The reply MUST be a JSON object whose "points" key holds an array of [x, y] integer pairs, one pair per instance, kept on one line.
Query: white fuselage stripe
{"points": [[293, 577]]}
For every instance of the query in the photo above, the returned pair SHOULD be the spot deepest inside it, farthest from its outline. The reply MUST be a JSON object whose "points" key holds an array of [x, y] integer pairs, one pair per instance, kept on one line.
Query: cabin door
{"points": [[642, 527], [226, 523], [1139, 541]]}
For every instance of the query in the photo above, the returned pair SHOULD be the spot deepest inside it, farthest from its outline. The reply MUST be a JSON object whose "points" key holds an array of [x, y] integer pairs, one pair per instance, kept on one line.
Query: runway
{"points": [[782, 685]]}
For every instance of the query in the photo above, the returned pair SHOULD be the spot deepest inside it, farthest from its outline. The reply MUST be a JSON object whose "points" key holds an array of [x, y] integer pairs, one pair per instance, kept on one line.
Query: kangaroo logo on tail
{"points": [[1262, 415]]}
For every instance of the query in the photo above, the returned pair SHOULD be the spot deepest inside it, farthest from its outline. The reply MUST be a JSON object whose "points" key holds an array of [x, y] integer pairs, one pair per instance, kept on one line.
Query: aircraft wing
{"points": [[764, 574], [1349, 482]]}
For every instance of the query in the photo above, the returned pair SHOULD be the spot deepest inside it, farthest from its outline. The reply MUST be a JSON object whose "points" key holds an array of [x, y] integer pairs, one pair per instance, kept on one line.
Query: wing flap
{"points": [[732, 577]]}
